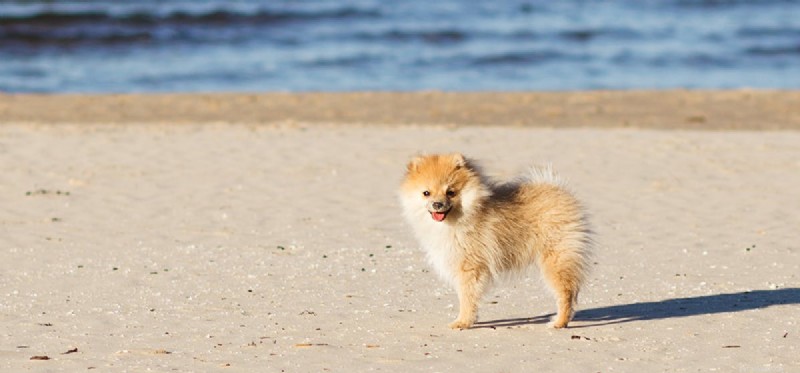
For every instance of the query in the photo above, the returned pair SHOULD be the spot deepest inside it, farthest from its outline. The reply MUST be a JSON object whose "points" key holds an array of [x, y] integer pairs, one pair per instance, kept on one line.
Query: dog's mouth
{"points": [[439, 215]]}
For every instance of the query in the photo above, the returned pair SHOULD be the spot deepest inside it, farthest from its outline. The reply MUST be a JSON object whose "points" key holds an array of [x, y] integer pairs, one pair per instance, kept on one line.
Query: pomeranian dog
{"points": [[474, 230]]}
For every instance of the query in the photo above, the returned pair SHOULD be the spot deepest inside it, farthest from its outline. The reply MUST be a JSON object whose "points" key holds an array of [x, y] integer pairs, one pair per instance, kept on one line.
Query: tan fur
{"points": [[491, 229]]}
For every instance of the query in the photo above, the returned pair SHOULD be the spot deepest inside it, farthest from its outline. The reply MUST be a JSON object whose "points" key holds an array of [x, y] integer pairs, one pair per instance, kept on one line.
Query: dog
{"points": [[475, 231]]}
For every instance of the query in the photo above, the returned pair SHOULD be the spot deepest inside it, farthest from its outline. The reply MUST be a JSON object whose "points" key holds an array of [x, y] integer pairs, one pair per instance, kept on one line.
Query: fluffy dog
{"points": [[474, 231]]}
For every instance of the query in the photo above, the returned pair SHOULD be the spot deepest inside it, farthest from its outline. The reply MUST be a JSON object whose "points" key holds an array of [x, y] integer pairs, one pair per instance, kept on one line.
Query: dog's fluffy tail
{"points": [[544, 175]]}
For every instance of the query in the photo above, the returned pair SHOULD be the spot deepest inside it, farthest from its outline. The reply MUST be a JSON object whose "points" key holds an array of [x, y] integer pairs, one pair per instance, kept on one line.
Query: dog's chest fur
{"points": [[444, 247]]}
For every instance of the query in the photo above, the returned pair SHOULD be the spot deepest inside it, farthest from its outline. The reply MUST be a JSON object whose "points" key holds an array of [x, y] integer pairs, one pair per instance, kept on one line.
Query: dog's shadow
{"points": [[665, 309]]}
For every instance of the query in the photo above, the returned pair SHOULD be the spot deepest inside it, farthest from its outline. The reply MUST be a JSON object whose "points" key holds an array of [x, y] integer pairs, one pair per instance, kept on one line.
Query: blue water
{"points": [[260, 45]]}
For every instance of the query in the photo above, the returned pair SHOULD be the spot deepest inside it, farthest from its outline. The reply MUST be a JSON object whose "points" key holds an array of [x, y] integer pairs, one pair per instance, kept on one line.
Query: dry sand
{"points": [[257, 247]]}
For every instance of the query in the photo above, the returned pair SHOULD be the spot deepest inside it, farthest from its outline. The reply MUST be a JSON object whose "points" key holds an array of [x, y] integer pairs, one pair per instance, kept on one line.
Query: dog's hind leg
{"points": [[563, 271]]}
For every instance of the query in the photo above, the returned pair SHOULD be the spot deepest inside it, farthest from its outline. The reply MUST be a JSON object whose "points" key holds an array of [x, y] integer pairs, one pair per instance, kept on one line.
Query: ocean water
{"points": [[281, 45]]}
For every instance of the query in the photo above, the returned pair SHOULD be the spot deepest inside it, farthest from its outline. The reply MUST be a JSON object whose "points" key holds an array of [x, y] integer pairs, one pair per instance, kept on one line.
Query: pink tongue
{"points": [[438, 216]]}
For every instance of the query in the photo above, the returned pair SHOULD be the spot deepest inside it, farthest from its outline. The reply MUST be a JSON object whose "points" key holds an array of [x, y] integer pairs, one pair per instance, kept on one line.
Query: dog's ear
{"points": [[414, 163], [459, 160]]}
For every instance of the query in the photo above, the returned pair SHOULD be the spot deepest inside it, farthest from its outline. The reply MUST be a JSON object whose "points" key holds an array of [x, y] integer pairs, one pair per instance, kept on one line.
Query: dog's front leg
{"points": [[472, 282]]}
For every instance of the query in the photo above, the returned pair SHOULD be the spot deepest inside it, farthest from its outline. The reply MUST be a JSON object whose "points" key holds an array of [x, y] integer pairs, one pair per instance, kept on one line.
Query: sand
{"points": [[277, 245], [702, 110]]}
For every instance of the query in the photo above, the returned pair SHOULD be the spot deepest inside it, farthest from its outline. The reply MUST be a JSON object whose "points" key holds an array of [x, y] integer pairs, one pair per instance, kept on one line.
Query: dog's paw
{"points": [[460, 325], [557, 324]]}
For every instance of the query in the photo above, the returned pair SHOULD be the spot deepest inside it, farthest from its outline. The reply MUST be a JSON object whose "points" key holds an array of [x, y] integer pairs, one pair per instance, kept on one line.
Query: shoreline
{"points": [[741, 109]]}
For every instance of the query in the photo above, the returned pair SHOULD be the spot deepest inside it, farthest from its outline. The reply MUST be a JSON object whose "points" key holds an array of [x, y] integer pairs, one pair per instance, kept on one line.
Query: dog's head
{"points": [[443, 186]]}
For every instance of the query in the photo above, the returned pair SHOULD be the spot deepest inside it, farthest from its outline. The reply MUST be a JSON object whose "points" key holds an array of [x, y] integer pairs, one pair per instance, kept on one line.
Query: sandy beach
{"points": [[679, 109], [262, 232]]}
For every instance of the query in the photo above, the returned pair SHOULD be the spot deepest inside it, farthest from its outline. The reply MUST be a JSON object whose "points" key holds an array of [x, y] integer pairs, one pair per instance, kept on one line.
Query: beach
{"points": [[743, 109], [262, 232]]}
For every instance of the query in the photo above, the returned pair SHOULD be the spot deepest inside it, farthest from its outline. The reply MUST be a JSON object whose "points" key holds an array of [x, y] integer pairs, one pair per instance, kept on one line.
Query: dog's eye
{"points": [[451, 193], [426, 193]]}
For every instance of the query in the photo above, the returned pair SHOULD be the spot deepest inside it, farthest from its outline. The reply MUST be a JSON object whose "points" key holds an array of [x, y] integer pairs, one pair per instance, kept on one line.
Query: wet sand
{"points": [[703, 110]]}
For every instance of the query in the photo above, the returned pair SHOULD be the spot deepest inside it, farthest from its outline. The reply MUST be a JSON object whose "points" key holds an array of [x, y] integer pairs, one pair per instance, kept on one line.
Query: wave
{"points": [[457, 35], [67, 40], [774, 51], [447, 36], [110, 26], [589, 34], [343, 61], [49, 19], [769, 31], [712, 4], [523, 57]]}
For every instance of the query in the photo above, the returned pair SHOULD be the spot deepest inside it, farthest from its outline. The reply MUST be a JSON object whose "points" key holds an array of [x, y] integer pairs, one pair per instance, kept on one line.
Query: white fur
{"points": [[437, 239], [543, 175], [441, 240]]}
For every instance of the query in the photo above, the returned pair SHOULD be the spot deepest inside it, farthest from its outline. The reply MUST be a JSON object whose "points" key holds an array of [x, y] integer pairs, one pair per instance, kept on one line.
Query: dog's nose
{"points": [[437, 205]]}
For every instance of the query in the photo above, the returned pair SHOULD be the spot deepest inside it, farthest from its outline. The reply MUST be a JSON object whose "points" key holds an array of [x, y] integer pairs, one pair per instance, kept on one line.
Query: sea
{"points": [[103, 46]]}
